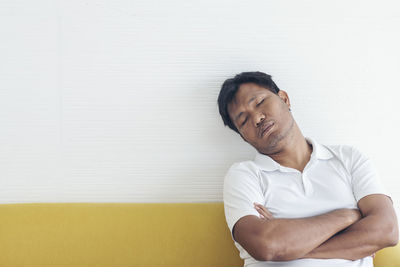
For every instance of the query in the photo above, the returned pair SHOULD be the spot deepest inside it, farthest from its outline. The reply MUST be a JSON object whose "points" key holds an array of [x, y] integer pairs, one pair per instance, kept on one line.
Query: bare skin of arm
{"points": [[377, 229], [289, 239]]}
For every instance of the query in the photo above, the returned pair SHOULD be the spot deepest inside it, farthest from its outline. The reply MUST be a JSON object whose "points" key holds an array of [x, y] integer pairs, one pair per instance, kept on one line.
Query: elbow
{"points": [[393, 236], [276, 248], [261, 251], [274, 252], [267, 252], [388, 235], [278, 256]]}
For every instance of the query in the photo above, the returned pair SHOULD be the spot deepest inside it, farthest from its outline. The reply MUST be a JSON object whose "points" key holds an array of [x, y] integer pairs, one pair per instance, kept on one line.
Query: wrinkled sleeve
{"points": [[241, 189], [365, 177]]}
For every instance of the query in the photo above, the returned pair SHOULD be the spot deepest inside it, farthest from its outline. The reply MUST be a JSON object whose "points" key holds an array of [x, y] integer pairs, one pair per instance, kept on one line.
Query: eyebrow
{"points": [[240, 114]]}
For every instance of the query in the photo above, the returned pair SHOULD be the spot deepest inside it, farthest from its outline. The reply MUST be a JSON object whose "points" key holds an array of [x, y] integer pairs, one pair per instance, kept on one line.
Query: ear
{"points": [[285, 98]]}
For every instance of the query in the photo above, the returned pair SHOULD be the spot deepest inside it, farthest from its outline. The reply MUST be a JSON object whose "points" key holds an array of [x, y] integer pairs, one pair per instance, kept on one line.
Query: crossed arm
{"points": [[376, 229]]}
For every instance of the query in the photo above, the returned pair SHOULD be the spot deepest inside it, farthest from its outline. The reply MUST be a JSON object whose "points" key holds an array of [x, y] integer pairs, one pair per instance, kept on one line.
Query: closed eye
{"points": [[256, 106], [259, 103], [244, 121]]}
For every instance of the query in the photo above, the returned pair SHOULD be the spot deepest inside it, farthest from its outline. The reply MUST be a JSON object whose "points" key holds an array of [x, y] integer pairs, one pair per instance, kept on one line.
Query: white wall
{"points": [[115, 101]]}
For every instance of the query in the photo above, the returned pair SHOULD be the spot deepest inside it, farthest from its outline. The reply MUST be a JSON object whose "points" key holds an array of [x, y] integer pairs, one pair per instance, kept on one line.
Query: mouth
{"points": [[266, 128]]}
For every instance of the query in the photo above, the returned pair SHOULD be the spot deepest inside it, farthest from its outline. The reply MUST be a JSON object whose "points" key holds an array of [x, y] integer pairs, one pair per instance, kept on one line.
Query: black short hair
{"points": [[231, 86]]}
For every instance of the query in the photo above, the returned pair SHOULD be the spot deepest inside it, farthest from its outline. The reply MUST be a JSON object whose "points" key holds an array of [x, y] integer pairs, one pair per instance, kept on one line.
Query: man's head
{"points": [[250, 102]]}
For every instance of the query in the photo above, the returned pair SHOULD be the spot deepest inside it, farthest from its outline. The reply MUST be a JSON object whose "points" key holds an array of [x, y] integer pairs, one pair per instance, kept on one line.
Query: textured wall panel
{"points": [[116, 100]]}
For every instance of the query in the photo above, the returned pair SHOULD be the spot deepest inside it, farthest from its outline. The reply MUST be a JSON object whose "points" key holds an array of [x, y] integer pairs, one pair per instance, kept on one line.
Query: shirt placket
{"points": [[307, 185], [308, 188]]}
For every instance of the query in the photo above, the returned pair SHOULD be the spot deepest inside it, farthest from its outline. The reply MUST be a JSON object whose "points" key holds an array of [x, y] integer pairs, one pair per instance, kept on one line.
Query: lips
{"points": [[265, 128]]}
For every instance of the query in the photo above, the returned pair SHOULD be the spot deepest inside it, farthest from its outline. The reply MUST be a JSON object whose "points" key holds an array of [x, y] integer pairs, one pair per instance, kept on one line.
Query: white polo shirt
{"points": [[335, 177]]}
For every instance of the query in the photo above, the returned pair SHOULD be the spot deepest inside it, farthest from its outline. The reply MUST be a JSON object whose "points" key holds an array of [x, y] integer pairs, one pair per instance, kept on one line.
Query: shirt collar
{"points": [[267, 163]]}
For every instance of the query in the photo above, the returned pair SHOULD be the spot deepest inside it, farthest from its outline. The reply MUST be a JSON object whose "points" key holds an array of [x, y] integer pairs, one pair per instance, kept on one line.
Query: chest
{"points": [[318, 190]]}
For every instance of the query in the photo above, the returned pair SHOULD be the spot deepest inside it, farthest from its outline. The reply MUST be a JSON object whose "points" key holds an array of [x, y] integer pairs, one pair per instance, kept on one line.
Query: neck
{"points": [[295, 153]]}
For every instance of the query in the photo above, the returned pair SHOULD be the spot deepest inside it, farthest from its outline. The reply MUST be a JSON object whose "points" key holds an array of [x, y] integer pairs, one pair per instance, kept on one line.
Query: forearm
{"points": [[359, 240], [290, 239]]}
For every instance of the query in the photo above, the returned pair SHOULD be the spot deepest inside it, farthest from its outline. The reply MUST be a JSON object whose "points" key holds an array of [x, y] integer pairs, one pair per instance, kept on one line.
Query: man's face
{"points": [[255, 107]]}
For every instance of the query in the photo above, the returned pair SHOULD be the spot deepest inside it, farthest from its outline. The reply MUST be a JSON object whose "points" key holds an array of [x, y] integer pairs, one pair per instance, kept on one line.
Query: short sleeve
{"points": [[241, 189], [365, 178]]}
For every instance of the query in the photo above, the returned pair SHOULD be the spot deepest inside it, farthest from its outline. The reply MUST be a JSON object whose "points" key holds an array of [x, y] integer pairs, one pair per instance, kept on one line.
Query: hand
{"points": [[264, 213], [354, 215]]}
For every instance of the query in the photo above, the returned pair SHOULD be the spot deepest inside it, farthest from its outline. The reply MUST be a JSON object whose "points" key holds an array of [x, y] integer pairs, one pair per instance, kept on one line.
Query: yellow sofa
{"points": [[123, 235]]}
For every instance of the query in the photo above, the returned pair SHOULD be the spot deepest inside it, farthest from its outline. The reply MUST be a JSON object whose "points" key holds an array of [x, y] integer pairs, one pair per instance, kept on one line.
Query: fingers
{"points": [[262, 208], [264, 214], [263, 211]]}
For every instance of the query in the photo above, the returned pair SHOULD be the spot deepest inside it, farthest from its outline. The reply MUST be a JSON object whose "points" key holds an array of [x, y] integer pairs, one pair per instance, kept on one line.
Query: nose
{"points": [[259, 119]]}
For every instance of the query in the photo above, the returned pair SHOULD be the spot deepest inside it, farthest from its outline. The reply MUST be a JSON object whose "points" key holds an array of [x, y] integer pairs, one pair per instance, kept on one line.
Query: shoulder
{"points": [[346, 152], [243, 167], [342, 151], [350, 155], [242, 172]]}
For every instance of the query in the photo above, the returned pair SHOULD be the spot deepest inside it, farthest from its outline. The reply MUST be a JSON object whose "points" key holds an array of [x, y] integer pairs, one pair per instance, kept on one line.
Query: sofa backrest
{"points": [[124, 235], [115, 235]]}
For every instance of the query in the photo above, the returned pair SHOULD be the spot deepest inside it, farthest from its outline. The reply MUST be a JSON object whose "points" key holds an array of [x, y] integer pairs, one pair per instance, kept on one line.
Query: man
{"points": [[318, 205]]}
